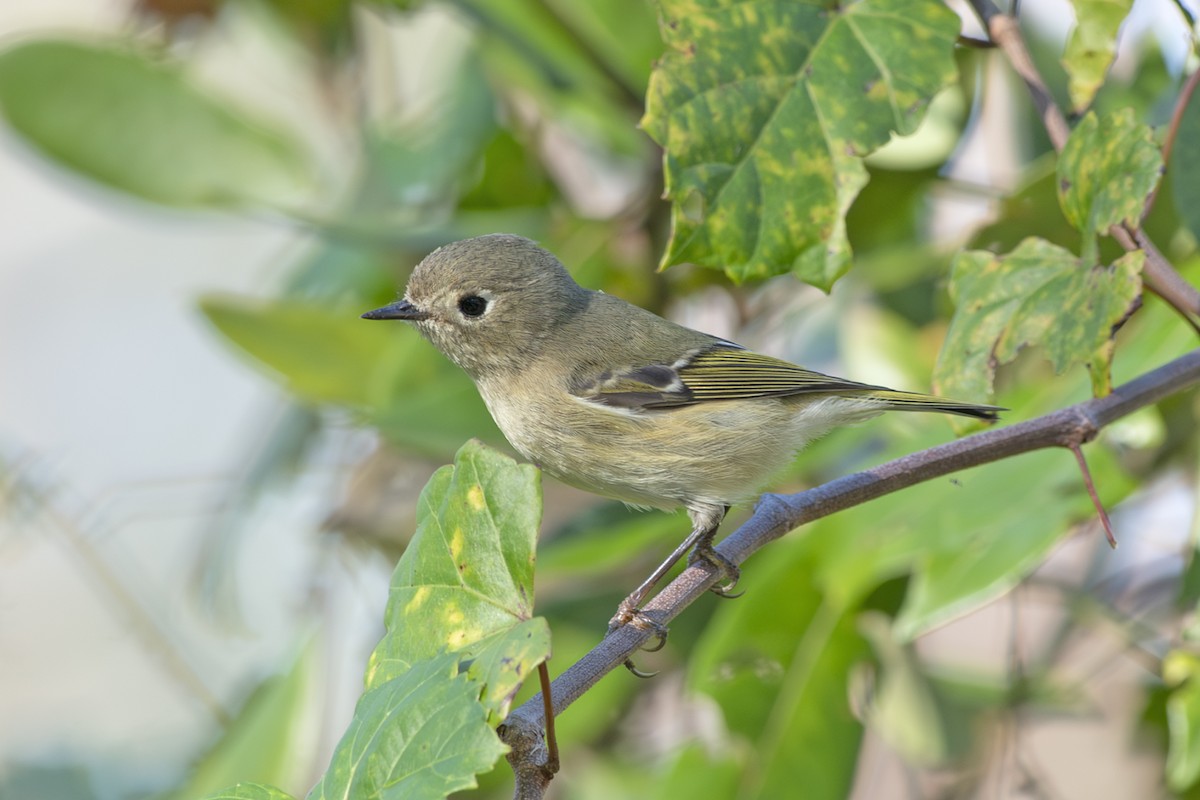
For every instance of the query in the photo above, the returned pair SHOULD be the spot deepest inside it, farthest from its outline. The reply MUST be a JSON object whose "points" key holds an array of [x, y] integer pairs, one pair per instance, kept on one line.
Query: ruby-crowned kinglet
{"points": [[611, 398]]}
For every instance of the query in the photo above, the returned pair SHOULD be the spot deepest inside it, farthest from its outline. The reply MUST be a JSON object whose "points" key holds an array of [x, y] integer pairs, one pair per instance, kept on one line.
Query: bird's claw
{"points": [[726, 568], [630, 614], [637, 673]]}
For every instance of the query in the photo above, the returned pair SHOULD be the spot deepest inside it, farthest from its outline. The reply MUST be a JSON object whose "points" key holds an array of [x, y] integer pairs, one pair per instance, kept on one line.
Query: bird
{"points": [[614, 399]]}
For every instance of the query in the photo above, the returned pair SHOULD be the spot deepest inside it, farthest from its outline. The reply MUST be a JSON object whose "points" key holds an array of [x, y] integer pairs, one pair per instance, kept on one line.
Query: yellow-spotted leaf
{"points": [[1105, 173], [1092, 47], [765, 111], [1039, 294], [460, 638], [465, 583]]}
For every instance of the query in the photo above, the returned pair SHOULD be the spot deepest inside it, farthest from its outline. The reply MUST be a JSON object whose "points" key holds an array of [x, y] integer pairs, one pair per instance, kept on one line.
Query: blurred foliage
{"points": [[150, 131], [522, 116]]}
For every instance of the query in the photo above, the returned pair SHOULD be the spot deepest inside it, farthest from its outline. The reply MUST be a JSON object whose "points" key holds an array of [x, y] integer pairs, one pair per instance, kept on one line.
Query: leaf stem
{"points": [[552, 762]]}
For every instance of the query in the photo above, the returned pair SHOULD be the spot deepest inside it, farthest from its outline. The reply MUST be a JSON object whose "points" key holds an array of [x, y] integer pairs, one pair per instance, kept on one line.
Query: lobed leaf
{"points": [[1037, 294], [137, 124], [765, 110], [1091, 47]]}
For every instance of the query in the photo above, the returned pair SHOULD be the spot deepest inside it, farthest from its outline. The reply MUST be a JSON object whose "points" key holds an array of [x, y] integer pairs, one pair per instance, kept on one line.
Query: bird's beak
{"points": [[401, 309]]}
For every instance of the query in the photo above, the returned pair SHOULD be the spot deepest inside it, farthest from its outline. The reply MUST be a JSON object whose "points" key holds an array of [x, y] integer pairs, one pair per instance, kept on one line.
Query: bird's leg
{"points": [[630, 609], [706, 520]]}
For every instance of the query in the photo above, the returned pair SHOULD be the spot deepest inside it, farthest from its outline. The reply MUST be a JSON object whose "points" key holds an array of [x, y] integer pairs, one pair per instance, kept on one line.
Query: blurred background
{"points": [[210, 464]]}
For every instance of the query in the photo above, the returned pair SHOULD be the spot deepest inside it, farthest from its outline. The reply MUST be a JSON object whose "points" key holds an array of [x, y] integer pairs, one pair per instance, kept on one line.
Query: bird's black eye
{"points": [[472, 305]]}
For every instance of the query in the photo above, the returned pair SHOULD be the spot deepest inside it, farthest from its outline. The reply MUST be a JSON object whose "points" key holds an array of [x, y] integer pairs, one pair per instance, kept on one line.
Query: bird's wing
{"points": [[721, 371]]}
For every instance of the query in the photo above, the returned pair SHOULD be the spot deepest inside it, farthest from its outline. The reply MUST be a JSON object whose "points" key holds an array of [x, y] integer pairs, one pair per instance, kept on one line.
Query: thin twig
{"points": [[1091, 490], [1006, 33], [1168, 145], [776, 515]]}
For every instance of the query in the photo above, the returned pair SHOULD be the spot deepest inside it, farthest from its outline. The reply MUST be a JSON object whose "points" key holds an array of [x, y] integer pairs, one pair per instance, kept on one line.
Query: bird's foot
{"points": [[629, 614], [726, 568]]}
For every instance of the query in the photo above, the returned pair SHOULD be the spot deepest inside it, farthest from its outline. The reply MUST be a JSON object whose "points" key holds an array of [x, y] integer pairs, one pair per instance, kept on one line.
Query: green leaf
{"points": [[1185, 167], [1037, 294], [985, 539], [459, 627], [967, 539], [777, 662], [1105, 173], [698, 771], [465, 583], [137, 124], [1031, 211], [1181, 669], [1092, 47], [259, 745], [384, 372], [765, 111], [422, 734], [250, 791], [501, 662]]}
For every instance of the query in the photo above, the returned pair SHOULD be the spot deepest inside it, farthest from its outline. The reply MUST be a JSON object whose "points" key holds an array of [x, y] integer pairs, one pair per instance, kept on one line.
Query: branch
{"points": [[1159, 275], [1006, 33], [776, 515]]}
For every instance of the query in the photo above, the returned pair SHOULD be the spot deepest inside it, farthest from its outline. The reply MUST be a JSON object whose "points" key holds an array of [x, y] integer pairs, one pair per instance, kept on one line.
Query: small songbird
{"points": [[613, 399]]}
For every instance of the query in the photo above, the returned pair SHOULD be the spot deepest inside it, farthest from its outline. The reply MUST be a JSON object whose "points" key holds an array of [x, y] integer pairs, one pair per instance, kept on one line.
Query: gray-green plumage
{"points": [[609, 397]]}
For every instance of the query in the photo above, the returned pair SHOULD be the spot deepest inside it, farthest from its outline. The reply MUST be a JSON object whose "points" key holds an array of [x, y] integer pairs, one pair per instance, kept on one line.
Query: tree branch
{"points": [[1006, 33], [776, 515]]}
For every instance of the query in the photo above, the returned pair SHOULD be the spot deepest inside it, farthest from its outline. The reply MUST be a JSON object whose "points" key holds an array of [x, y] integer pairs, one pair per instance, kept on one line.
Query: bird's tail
{"points": [[911, 401]]}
